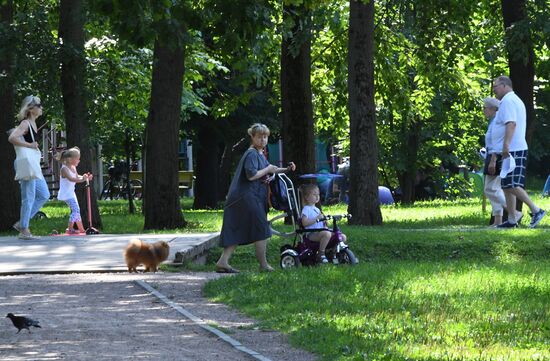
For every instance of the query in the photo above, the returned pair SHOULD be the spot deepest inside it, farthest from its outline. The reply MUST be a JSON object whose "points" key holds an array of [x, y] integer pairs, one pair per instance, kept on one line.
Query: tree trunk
{"points": [[9, 189], [206, 166], [364, 200], [162, 202], [407, 178], [73, 87], [296, 102], [521, 57]]}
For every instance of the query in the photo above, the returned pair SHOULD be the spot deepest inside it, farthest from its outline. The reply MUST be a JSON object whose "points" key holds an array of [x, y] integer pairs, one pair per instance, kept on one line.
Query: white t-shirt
{"points": [[511, 109], [489, 146], [66, 187], [312, 212]]}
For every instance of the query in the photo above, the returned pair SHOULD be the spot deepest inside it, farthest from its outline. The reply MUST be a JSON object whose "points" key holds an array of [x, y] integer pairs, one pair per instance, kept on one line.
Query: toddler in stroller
{"points": [[314, 243]]}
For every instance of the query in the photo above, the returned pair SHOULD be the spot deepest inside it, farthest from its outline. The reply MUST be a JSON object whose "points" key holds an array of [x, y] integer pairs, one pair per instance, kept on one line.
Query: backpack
{"points": [[278, 196]]}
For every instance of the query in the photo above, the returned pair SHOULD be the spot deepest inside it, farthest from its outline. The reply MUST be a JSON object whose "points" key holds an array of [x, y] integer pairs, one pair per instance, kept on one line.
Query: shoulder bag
{"points": [[27, 162]]}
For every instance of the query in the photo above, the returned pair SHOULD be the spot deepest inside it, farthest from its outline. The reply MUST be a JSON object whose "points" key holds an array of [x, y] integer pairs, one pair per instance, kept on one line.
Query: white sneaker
{"points": [[27, 237], [16, 226]]}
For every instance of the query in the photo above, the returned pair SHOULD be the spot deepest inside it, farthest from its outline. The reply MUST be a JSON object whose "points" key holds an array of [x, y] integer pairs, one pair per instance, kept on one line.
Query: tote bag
{"points": [[27, 162]]}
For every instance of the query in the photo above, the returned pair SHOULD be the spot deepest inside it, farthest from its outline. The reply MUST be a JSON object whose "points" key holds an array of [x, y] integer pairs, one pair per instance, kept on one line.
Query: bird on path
{"points": [[22, 322]]}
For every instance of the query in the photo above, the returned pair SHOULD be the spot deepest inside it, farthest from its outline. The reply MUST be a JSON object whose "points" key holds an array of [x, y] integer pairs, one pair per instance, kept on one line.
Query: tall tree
{"points": [[9, 190], [73, 67], [164, 24], [521, 57], [296, 101], [162, 207], [364, 201]]}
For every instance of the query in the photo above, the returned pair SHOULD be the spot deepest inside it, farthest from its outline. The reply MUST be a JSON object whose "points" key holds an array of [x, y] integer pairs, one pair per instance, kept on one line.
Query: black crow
{"points": [[22, 322]]}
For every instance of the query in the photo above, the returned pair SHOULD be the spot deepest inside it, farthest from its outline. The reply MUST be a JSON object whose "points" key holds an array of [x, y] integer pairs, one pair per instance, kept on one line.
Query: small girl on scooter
{"points": [[69, 177], [313, 218]]}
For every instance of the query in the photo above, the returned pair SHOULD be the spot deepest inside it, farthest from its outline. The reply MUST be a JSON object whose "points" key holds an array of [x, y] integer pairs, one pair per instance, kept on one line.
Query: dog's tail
{"points": [[134, 246]]}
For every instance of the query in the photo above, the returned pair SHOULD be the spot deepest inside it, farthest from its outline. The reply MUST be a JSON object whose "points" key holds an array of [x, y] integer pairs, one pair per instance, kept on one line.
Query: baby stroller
{"points": [[304, 251]]}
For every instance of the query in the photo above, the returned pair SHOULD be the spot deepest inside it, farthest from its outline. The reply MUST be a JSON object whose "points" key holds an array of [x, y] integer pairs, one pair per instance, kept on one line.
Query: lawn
{"points": [[433, 283]]}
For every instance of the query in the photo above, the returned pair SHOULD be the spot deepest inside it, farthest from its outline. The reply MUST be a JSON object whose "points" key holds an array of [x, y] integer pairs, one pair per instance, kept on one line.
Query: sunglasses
{"points": [[35, 106]]}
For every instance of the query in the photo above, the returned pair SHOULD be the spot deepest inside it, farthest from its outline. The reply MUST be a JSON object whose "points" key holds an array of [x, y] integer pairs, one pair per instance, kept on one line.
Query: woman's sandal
{"points": [[220, 269]]}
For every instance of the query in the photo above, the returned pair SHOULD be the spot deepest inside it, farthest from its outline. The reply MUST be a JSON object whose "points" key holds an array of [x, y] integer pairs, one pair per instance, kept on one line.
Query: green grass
{"points": [[403, 310], [433, 283]]}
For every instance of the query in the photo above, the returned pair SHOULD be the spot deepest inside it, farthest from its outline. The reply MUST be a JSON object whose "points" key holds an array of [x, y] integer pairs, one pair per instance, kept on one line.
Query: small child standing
{"points": [[69, 177], [312, 219]]}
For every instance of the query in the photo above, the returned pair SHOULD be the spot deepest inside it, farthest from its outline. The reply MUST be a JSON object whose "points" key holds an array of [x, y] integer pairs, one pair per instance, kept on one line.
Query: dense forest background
{"points": [[398, 85]]}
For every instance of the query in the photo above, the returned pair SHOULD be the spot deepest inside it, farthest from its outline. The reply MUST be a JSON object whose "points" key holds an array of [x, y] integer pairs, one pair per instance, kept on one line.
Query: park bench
{"points": [[185, 180]]}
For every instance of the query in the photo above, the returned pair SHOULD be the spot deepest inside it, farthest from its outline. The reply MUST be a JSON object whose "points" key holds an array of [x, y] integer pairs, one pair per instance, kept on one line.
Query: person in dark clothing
{"points": [[245, 211]]}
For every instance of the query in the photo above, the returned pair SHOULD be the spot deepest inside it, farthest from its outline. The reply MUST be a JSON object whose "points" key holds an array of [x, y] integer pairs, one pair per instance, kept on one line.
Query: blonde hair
{"points": [[258, 128], [307, 189], [27, 103], [67, 154]]}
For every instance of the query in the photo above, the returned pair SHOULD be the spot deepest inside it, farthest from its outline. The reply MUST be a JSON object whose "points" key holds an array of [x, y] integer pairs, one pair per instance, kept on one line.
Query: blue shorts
{"points": [[516, 178]]}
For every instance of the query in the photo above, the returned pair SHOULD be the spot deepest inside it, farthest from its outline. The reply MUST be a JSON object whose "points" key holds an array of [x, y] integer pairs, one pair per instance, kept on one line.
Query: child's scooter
{"points": [[91, 229]]}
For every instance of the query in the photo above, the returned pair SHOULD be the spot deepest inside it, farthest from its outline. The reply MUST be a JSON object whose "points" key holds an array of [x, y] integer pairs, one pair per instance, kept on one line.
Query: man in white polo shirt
{"points": [[509, 135]]}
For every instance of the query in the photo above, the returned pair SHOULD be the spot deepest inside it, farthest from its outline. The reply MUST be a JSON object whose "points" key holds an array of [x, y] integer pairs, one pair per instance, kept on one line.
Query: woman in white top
{"points": [[492, 188], [34, 192], [69, 177]]}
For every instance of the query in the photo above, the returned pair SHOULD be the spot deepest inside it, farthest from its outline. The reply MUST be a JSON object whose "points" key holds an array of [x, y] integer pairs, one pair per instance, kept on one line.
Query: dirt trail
{"points": [[109, 317]]}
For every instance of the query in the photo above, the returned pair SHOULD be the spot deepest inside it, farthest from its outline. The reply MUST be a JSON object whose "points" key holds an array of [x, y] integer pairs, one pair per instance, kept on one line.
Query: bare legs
{"points": [[79, 225], [323, 238], [261, 251], [511, 195], [223, 262]]}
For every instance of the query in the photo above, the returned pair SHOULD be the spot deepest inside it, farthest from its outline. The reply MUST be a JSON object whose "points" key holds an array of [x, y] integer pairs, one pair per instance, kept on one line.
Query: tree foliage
{"points": [[434, 61]]}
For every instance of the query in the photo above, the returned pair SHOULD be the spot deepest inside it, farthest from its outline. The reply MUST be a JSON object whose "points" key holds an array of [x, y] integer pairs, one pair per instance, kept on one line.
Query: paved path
{"points": [[97, 253], [109, 317]]}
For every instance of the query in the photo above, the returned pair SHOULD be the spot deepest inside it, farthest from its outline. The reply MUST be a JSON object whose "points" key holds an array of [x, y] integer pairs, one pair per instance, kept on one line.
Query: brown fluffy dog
{"points": [[150, 255]]}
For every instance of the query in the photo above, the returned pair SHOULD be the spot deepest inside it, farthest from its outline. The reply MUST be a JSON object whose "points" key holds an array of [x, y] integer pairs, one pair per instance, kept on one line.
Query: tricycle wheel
{"points": [[289, 261], [346, 256]]}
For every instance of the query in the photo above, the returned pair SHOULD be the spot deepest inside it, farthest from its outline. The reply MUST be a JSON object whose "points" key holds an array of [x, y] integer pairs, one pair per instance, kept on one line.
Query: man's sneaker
{"points": [[536, 218], [507, 225], [16, 226], [322, 259]]}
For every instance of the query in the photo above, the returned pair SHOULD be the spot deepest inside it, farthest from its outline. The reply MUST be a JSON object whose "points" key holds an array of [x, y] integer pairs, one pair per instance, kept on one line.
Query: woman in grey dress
{"points": [[245, 212]]}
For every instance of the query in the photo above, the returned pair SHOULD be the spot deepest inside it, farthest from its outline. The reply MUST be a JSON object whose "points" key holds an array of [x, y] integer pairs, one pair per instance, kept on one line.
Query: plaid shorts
{"points": [[516, 178]]}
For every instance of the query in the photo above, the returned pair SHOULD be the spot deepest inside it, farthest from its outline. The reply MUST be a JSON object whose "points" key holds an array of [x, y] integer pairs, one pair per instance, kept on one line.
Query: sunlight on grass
{"points": [[433, 283], [403, 310]]}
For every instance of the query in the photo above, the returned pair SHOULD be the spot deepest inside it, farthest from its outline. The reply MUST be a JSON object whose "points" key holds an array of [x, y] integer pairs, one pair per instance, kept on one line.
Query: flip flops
{"points": [[226, 270]]}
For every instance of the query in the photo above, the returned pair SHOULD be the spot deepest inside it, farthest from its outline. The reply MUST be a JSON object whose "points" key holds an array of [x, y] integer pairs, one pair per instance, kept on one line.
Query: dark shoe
{"points": [[226, 270], [507, 225], [536, 218]]}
